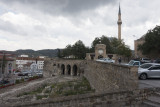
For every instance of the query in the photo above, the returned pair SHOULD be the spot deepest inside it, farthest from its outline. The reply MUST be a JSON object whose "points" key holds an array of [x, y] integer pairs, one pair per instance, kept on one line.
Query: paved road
{"points": [[149, 83]]}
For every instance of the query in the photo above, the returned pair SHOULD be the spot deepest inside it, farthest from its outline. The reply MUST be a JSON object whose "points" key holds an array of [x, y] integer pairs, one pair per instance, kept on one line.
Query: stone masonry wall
{"points": [[117, 99], [102, 76], [111, 77]]}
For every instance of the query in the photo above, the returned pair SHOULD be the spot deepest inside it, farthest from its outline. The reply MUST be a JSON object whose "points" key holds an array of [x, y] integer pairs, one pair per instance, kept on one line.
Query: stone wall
{"points": [[117, 99], [102, 76], [111, 77], [52, 67]]}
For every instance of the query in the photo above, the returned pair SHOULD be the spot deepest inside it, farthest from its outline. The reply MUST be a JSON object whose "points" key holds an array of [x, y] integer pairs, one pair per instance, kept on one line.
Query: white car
{"points": [[106, 60], [145, 60], [149, 70], [134, 63]]}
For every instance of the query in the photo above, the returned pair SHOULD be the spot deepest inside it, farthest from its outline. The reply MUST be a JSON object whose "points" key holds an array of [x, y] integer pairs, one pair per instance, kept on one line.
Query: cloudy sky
{"points": [[51, 24]]}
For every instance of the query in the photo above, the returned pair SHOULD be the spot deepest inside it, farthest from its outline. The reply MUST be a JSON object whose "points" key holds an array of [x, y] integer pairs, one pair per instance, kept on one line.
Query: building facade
{"points": [[7, 64], [140, 41], [25, 63]]}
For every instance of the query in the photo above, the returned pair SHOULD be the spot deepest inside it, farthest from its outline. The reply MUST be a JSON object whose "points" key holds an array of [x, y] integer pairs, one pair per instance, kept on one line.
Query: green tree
{"points": [[67, 51], [151, 46], [59, 53], [115, 44], [102, 40], [79, 50]]}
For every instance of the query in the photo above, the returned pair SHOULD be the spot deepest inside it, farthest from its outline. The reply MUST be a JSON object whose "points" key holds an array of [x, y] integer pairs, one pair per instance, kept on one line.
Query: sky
{"points": [[52, 24]]}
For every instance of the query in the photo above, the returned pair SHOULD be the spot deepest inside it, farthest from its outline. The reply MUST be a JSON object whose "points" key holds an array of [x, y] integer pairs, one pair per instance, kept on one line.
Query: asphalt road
{"points": [[149, 83]]}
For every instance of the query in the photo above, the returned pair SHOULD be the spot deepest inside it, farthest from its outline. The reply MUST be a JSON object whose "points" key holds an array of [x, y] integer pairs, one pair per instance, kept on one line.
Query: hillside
{"points": [[33, 53]]}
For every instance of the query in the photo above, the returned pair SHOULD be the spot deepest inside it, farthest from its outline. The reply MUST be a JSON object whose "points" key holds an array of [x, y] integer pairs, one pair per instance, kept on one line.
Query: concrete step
{"points": [[149, 104], [154, 99], [3, 105], [157, 94]]}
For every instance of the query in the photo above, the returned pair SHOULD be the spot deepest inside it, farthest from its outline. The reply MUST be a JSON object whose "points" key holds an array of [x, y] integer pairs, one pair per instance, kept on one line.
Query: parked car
{"points": [[149, 70], [40, 73], [134, 63], [145, 60], [16, 73], [106, 60], [4, 82], [24, 73], [157, 61]]}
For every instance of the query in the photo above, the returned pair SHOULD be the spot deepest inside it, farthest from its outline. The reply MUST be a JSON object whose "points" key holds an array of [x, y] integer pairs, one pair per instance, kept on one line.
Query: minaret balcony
{"points": [[119, 22]]}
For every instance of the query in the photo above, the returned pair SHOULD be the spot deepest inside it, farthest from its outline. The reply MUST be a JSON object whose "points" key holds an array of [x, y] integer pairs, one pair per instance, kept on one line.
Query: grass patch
{"points": [[81, 86], [38, 90], [38, 97], [72, 88]]}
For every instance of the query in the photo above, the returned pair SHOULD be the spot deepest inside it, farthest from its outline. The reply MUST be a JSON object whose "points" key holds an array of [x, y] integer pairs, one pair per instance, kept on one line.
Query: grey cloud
{"points": [[22, 30], [58, 6], [7, 26]]}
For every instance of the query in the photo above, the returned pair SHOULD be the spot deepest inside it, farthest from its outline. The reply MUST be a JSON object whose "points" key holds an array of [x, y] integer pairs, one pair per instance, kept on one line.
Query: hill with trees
{"points": [[79, 50]]}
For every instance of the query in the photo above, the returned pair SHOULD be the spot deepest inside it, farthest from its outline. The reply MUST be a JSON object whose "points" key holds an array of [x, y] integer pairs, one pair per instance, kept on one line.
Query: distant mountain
{"points": [[44, 52], [33, 53]]}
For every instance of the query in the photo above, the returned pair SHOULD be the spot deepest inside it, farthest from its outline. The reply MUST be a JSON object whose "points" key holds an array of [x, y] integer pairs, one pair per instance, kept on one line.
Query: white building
{"points": [[23, 56], [24, 63]]}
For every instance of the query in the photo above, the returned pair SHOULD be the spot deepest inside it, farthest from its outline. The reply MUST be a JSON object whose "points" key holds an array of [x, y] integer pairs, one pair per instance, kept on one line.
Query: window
{"points": [[136, 63], [155, 68], [145, 66]]}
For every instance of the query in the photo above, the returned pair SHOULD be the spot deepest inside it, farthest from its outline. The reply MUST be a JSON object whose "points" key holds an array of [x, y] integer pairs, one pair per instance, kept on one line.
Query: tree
{"points": [[67, 51], [102, 40], [113, 45], [151, 46], [79, 50], [59, 53]]}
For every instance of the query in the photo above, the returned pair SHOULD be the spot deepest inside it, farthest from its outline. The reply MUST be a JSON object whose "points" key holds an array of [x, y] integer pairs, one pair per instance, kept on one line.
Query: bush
{"points": [[38, 97], [17, 81]]}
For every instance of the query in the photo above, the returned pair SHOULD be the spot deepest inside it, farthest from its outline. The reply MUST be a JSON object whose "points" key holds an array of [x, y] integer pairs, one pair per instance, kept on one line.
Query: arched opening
{"points": [[62, 69], [58, 65], [100, 56], [75, 70], [68, 69]]}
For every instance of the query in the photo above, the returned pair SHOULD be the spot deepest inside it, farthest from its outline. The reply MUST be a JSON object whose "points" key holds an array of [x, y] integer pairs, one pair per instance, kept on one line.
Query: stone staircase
{"points": [[152, 101]]}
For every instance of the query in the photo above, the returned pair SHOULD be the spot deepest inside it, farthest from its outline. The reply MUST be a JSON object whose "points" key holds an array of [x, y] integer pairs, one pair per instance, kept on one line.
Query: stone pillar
{"points": [[71, 70], [65, 70]]}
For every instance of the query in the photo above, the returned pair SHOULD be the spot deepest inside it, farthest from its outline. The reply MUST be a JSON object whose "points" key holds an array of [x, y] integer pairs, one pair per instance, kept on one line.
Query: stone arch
{"points": [[75, 70], [100, 56], [58, 65], [62, 69], [68, 69]]}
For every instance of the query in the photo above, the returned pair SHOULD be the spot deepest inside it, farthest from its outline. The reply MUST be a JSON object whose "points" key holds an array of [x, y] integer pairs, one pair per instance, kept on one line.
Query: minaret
{"points": [[119, 22]]}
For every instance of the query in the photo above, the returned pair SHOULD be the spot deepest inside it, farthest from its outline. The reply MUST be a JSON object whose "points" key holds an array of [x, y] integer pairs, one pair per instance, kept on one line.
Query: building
{"points": [[119, 22], [7, 64], [140, 41], [24, 63]]}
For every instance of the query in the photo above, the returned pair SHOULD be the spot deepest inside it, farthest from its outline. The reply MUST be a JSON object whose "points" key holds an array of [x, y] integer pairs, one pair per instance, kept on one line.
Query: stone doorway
{"points": [[75, 70], [68, 69], [63, 69]]}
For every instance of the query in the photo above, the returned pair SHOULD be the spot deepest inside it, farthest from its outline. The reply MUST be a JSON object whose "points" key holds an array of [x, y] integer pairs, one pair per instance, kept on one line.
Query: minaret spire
{"points": [[119, 13], [119, 22]]}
